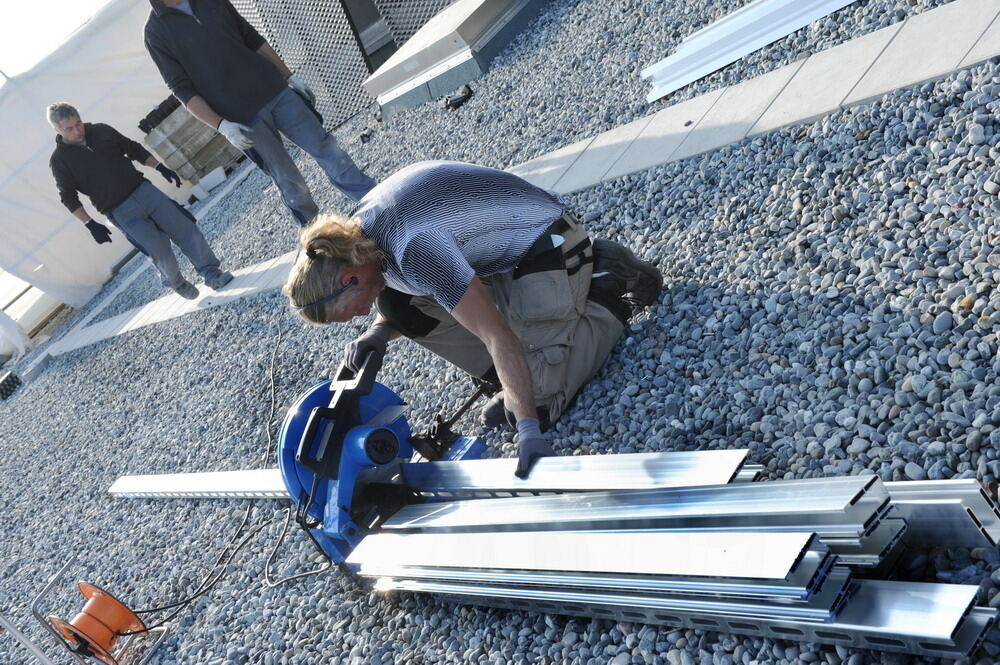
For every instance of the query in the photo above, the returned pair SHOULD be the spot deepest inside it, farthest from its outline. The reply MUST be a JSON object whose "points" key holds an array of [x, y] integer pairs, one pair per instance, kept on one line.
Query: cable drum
{"points": [[95, 630]]}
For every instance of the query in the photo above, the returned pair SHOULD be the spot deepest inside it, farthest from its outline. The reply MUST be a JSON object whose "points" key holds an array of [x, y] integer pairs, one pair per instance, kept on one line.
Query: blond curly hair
{"points": [[330, 243]]}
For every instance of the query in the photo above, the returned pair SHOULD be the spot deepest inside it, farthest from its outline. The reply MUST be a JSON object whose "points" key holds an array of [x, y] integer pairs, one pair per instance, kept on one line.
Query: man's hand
{"points": [[171, 176], [531, 446], [238, 135], [99, 231], [299, 86], [374, 340]]}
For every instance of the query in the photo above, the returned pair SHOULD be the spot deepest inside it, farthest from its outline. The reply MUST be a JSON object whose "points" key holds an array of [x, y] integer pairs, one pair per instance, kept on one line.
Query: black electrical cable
{"points": [[206, 586], [270, 559]]}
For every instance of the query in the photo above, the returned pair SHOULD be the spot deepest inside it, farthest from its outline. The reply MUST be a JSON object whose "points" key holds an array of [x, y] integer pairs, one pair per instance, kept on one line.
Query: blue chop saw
{"points": [[345, 447]]}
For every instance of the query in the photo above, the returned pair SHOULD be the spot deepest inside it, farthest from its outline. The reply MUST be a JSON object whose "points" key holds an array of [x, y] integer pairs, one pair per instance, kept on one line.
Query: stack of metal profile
{"points": [[689, 539], [691, 543]]}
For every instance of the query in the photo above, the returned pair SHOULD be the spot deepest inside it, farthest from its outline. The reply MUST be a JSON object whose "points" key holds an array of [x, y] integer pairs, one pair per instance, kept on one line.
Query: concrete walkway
{"points": [[921, 48], [265, 276]]}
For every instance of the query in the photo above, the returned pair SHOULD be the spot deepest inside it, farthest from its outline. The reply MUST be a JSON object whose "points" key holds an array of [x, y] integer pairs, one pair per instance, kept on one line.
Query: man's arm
{"points": [[66, 184], [275, 59], [393, 333], [82, 214], [132, 149], [477, 312], [200, 109]]}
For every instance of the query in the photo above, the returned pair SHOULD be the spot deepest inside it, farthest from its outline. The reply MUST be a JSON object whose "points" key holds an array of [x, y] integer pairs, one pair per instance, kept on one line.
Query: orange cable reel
{"points": [[98, 626]]}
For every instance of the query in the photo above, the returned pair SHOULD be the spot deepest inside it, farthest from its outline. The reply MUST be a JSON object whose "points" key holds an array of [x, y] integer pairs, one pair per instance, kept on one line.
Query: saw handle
{"points": [[347, 387], [363, 379]]}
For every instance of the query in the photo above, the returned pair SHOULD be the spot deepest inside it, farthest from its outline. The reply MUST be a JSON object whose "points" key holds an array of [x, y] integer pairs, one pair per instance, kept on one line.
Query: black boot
{"points": [[642, 280]]}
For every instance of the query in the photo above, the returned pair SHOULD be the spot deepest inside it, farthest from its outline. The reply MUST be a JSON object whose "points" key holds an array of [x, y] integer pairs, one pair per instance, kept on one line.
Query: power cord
{"points": [[205, 587], [213, 577]]}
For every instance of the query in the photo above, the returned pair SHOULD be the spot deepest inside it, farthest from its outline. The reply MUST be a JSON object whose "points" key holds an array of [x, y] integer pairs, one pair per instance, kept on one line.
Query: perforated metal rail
{"points": [[405, 17]]}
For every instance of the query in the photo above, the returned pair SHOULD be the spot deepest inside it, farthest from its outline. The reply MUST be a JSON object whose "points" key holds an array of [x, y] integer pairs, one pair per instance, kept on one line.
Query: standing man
{"points": [[231, 79], [94, 159]]}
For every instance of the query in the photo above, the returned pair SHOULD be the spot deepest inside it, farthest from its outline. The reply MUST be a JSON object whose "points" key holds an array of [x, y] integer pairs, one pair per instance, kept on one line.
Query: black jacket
{"points": [[212, 54], [102, 169]]}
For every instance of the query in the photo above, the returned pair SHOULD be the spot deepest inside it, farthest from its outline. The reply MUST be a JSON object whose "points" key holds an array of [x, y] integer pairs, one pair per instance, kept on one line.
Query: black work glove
{"points": [[171, 176], [531, 446], [99, 231], [374, 340]]}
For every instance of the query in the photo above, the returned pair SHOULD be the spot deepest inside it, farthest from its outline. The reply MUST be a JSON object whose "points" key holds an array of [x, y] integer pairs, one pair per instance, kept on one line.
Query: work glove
{"points": [[238, 135], [299, 86], [171, 176], [374, 340], [531, 446], [99, 231]]}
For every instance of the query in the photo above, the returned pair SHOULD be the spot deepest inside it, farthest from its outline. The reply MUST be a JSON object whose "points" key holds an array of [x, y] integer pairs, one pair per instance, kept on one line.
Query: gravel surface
{"points": [[831, 304]]}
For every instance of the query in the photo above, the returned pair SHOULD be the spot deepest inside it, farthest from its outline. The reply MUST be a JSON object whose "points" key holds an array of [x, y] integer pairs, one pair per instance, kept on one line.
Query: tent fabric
{"points": [[103, 69], [13, 341]]}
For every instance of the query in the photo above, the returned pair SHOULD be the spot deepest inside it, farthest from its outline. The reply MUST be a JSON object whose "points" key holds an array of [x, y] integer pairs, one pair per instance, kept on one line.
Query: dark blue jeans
{"points": [[289, 114], [151, 220]]}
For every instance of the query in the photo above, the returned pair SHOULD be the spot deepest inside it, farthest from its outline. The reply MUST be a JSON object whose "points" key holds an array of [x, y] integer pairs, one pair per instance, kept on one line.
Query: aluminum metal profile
{"points": [[820, 609], [578, 473], [908, 617], [749, 473], [767, 556], [742, 32], [956, 511], [847, 507], [250, 484], [802, 583], [872, 550]]}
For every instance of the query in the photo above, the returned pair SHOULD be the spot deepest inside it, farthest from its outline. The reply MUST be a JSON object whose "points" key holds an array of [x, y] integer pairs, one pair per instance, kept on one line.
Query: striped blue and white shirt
{"points": [[442, 223]]}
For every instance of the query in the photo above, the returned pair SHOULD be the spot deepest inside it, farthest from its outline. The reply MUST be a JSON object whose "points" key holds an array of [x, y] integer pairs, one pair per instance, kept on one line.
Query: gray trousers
{"points": [[151, 220], [566, 337], [289, 114]]}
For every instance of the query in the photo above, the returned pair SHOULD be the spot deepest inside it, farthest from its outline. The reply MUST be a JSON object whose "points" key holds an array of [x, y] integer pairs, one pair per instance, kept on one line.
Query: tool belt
{"points": [[544, 254]]}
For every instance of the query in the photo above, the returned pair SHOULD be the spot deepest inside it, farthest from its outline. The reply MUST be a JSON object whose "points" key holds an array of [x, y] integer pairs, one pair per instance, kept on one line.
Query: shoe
{"points": [[186, 290], [494, 415], [642, 279], [608, 291], [219, 279]]}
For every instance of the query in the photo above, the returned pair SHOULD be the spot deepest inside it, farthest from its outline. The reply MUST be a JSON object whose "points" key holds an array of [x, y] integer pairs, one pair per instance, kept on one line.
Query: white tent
{"points": [[104, 70]]}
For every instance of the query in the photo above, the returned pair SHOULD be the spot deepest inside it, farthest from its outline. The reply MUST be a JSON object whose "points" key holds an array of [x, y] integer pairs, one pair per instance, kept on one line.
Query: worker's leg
{"points": [[134, 219], [299, 123], [566, 337], [560, 371], [180, 227], [270, 155]]}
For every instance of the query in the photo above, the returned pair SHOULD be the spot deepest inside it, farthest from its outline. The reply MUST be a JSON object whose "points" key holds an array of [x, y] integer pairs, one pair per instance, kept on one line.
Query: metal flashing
{"points": [[727, 40]]}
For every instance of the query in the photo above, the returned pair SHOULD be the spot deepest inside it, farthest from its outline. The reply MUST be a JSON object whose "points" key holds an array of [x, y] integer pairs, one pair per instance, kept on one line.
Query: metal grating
{"points": [[317, 41], [405, 17]]}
